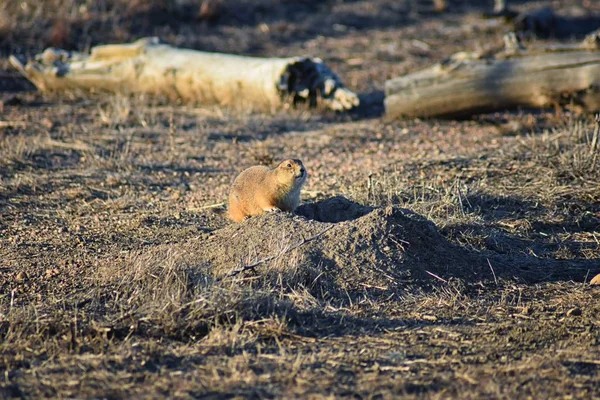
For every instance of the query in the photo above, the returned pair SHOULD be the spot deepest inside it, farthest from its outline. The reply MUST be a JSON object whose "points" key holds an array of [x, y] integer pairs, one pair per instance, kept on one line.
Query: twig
{"points": [[172, 131], [493, 273], [374, 287], [594, 362], [271, 258], [10, 124], [594, 143], [391, 278], [12, 299], [460, 198], [466, 378], [436, 276], [208, 206], [77, 145], [369, 185], [586, 277]]}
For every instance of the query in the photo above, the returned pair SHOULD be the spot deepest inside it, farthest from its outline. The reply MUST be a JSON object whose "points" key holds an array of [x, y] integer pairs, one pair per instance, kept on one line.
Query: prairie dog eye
{"points": [[289, 165]]}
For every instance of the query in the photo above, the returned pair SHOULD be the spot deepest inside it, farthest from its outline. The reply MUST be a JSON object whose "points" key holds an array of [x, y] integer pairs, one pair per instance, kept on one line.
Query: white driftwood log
{"points": [[148, 66], [467, 83]]}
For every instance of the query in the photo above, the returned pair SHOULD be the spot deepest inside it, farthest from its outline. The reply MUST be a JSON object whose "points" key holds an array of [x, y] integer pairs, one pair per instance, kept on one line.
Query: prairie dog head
{"points": [[291, 172]]}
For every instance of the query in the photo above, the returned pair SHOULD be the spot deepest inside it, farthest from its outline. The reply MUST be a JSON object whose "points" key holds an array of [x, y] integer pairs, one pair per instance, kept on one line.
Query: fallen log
{"points": [[148, 66], [469, 83]]}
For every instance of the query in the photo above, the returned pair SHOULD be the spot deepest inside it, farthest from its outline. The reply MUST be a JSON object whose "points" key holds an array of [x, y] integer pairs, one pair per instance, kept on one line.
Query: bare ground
{"points": [[431, 258]]}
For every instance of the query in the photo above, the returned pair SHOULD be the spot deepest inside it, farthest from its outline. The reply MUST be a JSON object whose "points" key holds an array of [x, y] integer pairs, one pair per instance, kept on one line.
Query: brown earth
{"points": [[431, 258]]}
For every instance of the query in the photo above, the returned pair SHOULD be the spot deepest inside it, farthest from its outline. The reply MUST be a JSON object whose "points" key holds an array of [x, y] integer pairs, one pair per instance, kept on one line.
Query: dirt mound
{"points": [[338, 244]]}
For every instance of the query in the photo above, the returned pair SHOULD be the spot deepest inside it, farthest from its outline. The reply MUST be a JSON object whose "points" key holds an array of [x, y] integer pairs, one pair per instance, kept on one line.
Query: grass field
{"points": [[432, 258]]}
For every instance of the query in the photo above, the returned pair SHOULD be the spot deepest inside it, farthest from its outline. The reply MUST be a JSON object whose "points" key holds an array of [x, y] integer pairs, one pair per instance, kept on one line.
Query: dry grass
{"points": [[131, 288], [31, 25]]}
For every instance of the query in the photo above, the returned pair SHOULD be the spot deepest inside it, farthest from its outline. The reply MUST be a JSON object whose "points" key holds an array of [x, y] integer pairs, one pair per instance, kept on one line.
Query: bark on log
{"points": [[148, 66], [467, 83]]}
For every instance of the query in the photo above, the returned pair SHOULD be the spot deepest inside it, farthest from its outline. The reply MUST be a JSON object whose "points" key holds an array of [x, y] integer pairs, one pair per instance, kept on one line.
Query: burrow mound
{"points": [[338, 244]]}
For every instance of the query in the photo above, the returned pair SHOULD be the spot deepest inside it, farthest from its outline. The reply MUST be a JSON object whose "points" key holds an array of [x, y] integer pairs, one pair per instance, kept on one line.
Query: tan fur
{"points": [[259, 189]]}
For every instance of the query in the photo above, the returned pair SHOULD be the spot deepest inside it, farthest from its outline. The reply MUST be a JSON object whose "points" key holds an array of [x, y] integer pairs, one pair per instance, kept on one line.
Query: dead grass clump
{"points": [[570, 154], [116, 111], [38, 24], [168, 291], [48, 330], [19, 148], [443, 202]]}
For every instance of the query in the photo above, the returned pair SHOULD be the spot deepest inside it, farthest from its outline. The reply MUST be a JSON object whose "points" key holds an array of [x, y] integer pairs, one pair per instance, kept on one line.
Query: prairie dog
{"points": [[259, 189]]}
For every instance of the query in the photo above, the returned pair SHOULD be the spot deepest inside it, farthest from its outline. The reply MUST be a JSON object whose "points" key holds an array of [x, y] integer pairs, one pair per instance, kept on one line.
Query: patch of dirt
{"points": [[337, 244]]}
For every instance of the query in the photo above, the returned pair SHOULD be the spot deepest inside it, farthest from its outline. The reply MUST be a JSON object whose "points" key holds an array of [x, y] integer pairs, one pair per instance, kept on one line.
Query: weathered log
{"points": [[469, 83], [148, 66]]}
